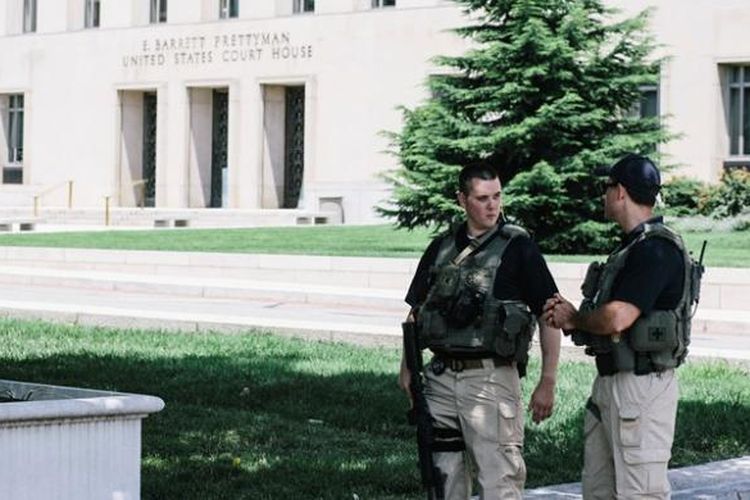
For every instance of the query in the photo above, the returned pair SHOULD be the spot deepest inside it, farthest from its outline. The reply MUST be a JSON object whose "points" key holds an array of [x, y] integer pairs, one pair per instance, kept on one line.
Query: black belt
{"points": [[441, 361]]}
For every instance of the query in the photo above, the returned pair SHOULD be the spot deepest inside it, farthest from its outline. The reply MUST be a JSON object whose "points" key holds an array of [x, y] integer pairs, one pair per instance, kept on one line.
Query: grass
{"points": [[262, 417], [725, 249], [380, 240]]}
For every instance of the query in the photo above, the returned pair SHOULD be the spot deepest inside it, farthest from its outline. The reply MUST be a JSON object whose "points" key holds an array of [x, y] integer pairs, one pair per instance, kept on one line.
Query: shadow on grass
{"points": [[259, 427]]}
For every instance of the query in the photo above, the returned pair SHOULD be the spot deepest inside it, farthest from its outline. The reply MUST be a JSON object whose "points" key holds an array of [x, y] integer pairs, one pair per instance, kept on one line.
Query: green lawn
{"points": [[258, 416], [728, 249]]}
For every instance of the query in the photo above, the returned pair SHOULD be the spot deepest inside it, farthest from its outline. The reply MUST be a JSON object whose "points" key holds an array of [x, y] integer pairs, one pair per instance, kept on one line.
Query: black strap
{"points": [[449, 440], [475, 244], [595, 411]]}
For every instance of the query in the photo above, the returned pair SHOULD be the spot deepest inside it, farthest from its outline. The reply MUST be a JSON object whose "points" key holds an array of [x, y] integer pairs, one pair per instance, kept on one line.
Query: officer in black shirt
{"points": [[635, 319], [473, 296]]}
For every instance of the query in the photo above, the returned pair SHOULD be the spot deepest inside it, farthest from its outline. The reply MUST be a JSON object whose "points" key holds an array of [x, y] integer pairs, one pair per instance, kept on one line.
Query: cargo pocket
{"points": [[641, 456], [630, 426], [646, 472], [510, 430]]}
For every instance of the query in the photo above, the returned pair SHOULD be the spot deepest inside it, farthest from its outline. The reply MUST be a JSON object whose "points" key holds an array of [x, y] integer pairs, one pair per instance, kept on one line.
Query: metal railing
{"points": [[140, 184], [40, 194]]}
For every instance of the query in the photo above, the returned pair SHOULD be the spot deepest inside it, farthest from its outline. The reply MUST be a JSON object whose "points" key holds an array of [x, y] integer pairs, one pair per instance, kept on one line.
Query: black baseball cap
{"points": [[638, 174]]}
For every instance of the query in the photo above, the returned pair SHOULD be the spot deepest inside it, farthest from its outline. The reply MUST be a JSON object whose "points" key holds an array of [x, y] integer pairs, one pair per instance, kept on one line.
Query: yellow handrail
{"points": [[106, 210], [40, 194], [141, 183]]}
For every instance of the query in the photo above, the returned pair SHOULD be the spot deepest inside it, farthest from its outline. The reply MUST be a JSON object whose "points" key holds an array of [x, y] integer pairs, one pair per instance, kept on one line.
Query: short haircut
{"points": [[471, 172], [641, 198]]}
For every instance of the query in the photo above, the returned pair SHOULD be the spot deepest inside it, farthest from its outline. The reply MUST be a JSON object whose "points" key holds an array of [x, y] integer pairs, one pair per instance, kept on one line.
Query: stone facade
{"points": [[276, 109]]}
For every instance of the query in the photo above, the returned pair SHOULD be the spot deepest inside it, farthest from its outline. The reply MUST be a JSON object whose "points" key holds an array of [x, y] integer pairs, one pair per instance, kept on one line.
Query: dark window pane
{"points": [[746, 122], [734, 74], [96, 14], [29, 16], [19, 143], [92, 14], [158, 11], [734, 121], [649, 104], [746, 71]]}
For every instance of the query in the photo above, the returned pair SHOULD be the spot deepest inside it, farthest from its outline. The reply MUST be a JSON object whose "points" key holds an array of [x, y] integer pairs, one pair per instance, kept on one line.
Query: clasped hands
{"points": [[559, 313]]}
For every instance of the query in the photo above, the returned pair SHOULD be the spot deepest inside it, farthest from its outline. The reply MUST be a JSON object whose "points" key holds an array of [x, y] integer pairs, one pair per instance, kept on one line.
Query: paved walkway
{"points": [[725, 480]]}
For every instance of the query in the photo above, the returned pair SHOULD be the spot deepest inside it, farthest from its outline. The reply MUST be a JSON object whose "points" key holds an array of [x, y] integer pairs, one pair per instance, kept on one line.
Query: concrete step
{"points": [[360, 297], [723, 288], [119, 309], [206, 287], [359, 272], [708, 324]]}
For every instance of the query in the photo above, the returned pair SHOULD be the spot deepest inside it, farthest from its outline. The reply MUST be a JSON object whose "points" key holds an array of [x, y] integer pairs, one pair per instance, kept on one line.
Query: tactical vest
{"points": [[461, 314], [662, 336]]}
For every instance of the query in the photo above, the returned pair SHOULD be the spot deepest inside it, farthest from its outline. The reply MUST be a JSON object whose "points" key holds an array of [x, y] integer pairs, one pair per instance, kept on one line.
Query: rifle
{"points": [[419, 415]]}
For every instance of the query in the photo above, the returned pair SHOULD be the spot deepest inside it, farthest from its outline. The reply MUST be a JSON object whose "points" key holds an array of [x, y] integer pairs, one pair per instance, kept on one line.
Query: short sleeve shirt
{"points": [[653, 275], [523, 273]]}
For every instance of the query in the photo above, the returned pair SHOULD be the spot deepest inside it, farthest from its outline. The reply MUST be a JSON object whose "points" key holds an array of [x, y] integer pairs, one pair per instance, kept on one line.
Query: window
{"points": [[92, 14], [13, 173], [739, 110], [303, 6], [648, 104], [158, 11], [29, 16], [383, 3], [228, 9]]}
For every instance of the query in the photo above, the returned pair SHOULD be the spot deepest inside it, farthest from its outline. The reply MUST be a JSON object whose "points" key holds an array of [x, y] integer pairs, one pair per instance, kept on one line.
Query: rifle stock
{"points": [[419, 415]]}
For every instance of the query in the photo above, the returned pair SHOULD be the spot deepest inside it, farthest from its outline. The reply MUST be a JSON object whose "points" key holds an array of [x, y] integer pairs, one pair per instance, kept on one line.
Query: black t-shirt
{"points": [[653, 275], [523, 273]]}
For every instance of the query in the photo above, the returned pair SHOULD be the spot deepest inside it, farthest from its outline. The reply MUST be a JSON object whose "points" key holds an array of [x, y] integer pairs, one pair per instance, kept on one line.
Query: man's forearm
{"points": [[611, 318], [549, 340]]}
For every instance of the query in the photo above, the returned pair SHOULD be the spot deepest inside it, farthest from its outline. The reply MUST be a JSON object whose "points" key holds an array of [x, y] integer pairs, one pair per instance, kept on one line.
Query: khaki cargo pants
{"points": [[484, 404], [628, 445]]}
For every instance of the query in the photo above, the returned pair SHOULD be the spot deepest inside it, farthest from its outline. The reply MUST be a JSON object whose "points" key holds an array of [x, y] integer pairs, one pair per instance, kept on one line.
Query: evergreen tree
{"points": [[544, 97]]}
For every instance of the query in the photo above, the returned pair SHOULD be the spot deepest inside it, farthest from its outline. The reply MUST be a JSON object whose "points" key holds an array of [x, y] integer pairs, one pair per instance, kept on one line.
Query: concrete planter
{"points": [[66, 443]]}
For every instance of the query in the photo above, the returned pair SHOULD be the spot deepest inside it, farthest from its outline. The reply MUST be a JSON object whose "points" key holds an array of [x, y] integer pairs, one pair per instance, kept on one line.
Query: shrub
{"points": [[683, 196], [732, 196], [585, 237]]}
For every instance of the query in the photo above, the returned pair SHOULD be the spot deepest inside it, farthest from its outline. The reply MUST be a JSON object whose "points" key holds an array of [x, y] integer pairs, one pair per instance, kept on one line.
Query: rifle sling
{"points": [[474, 245]]}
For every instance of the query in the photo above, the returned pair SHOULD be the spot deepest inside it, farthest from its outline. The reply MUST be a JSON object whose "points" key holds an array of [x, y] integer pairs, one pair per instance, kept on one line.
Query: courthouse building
{"points": [[273, 104]]}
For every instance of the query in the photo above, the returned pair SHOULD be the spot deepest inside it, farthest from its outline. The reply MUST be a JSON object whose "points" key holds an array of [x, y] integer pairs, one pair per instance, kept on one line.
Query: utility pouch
{"points": [[599, 344], [623, 355], [514, 330], [591, 282], [446, 284], [580, 337], [655, 332]]}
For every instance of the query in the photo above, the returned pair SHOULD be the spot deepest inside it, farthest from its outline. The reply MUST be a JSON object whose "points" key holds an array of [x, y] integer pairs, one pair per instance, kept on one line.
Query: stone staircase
{"points": [[340, 298]]}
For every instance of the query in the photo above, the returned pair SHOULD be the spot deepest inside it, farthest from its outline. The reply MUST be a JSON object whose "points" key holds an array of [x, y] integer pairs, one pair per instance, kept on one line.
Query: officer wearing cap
{"points": [[635, 320], [474, 297]]}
